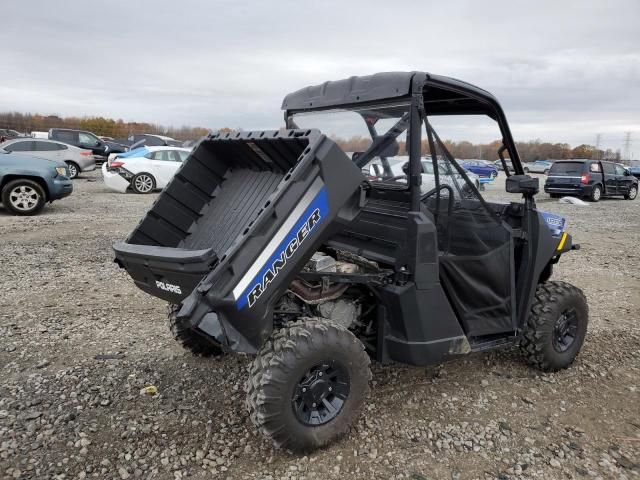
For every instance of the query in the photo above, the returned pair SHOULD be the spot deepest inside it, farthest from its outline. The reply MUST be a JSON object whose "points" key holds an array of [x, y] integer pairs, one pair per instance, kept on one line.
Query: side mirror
{"points": [[523, 184], [627, 172]]}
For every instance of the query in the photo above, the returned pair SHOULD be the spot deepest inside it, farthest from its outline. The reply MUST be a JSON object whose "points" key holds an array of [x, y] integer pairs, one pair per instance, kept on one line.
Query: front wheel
{"points": [[308, 384], [143, 183], [632, 193], [556, 326], [23, 197]]}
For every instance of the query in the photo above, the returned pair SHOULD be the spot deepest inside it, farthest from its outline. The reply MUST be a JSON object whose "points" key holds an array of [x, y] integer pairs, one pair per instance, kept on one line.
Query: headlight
{"points": [[62, 171]]}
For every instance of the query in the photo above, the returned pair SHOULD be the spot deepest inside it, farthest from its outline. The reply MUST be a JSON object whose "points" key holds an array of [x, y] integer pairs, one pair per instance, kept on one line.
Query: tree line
{"points": [[107, 127], [529, 151]]}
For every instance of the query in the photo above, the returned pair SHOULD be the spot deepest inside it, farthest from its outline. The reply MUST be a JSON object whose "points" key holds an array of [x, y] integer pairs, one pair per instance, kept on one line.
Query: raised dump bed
{"points": [[243, 210]]}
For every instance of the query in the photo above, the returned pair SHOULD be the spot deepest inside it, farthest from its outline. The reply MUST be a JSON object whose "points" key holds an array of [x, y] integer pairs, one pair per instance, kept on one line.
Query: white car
{"points": [[144, 169]]}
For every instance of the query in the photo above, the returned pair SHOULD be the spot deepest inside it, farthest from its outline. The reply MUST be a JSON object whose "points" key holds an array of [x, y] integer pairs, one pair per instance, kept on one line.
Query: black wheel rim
{"points": [[321, 393], [564, 331]]}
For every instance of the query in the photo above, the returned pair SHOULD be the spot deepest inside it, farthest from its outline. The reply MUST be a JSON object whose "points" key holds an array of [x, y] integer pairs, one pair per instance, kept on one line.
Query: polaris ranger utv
{"points": [[280, 245]]}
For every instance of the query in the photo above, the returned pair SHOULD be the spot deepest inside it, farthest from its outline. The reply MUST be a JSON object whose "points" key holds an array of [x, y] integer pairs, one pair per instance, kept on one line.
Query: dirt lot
{"points": [[67, 412]]}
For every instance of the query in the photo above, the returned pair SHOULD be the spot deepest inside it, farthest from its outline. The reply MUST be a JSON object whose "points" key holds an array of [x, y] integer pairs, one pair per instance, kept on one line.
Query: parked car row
{"points": [[35, 171]]}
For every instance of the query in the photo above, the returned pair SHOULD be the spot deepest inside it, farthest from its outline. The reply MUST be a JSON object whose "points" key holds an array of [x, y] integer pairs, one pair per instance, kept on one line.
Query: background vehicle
{"points": [[87, 140], [7, 134], [635, 171], [76, 159], [539, 166], [27, 183], [144, 169], [150, 140], [274, 243], [499, 166], [399, 170], [485, 171], [590, 178]]}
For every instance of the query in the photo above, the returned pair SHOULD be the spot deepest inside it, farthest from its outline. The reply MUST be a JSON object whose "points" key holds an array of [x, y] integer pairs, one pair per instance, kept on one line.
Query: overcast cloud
{"points": [[563, 70]]}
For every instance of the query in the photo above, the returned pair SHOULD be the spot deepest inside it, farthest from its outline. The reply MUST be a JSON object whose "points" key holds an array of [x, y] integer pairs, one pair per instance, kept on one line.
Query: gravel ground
{"points": [[79, 342]]}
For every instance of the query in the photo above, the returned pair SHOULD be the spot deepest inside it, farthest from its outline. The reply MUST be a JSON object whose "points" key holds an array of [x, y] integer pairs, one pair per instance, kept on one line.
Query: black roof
{"points": [[380, 87]]}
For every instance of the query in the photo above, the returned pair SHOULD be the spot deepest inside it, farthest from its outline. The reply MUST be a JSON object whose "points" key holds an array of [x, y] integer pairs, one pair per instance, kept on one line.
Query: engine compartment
{"points": [[329, 295]]}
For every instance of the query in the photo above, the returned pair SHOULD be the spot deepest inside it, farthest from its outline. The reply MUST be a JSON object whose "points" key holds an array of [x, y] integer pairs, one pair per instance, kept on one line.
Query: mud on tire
{"points": [[556, 326], [287, 362], [188, 338]]}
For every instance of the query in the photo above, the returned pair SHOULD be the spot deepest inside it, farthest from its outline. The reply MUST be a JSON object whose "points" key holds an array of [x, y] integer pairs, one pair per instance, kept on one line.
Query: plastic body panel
{"points": [[251, 208]]}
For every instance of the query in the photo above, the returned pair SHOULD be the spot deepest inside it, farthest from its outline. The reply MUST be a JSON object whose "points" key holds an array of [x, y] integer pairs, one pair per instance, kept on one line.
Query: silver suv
{"points": [[77, 159]]}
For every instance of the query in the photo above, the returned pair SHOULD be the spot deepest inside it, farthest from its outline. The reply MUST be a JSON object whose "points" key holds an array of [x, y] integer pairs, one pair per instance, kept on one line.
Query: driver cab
{"points": [[423, 214]]}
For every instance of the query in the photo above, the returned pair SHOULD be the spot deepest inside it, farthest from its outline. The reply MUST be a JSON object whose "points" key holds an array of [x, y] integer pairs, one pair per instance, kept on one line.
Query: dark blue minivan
{"points": [[593, 179]]}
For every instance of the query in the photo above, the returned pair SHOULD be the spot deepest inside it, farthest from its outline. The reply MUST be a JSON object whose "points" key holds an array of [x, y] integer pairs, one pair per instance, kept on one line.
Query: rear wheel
{"points": [[526, 170], [74, 169], [556, 326], [632, 193], [143, 183], [188, 338], [596, 193], [546, 172], [308, 384], [23, 197]]}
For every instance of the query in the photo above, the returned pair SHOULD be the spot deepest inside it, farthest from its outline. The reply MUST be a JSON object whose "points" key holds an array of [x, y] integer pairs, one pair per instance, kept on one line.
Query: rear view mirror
{"points": [[523, 184], [391, 150]]}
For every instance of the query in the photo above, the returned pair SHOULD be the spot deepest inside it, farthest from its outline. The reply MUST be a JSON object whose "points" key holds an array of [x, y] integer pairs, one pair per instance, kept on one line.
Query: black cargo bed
{"points": [[237, 222], [237, 202]]}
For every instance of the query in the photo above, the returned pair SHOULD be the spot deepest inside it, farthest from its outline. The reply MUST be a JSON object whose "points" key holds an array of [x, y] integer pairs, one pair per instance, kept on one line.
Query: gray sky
{"points": [[563, 70]]}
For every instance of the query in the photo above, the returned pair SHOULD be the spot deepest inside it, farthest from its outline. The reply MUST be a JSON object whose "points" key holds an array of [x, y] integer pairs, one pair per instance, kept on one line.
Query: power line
{"points": [[596, 154]]}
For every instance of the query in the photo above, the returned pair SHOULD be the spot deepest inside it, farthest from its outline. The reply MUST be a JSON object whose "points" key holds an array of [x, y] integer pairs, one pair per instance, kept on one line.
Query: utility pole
{"points": [[627, 145]]}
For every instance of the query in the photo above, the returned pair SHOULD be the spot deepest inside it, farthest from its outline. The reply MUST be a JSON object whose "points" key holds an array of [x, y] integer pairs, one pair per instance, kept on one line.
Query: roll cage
{"points": [[427, 94]]}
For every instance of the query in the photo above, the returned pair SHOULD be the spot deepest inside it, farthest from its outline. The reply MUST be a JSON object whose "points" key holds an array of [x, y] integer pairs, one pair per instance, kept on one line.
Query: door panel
{"points": [[166, 163], [610, 181], [623, 181]]}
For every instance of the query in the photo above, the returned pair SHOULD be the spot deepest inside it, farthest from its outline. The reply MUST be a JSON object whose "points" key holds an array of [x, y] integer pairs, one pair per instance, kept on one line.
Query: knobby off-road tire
{"points": [[314, 356], [188, 338], [556, 326]]}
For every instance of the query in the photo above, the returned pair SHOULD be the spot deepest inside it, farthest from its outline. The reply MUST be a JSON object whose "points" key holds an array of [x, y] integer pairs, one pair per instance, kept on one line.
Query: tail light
{"points": [[584, 179], [116, 164], [86, 154]]}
